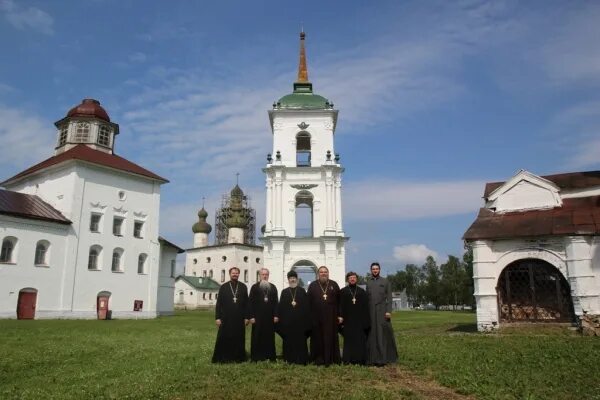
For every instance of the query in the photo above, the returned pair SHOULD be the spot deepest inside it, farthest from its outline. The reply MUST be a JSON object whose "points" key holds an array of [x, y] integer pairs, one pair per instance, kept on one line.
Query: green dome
{"points": [[237, 191], [303, 98], [202, 226]]}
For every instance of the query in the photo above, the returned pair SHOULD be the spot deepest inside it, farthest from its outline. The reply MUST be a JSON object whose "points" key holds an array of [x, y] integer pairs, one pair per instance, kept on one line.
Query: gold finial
{"points": [[302, 70]]}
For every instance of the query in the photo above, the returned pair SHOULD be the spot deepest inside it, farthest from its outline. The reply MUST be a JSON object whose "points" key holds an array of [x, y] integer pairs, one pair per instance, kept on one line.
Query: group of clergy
{"points": [[362, 317]]}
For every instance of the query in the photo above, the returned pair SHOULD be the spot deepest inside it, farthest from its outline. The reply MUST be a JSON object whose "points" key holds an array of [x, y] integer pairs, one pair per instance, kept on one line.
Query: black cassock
{"points": [[356, 324], [262, 345], [231, 337], [294, 324], [324, 341]]}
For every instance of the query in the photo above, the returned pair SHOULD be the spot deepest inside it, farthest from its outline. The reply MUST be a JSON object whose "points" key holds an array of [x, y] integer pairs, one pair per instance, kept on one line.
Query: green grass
{"points": [[170, 358]]}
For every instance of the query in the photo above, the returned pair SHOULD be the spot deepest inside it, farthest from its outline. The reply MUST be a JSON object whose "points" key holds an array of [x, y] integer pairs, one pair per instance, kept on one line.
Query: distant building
{"points": [[235, 249], [536, 249], [195, 292], [400, 301], [79, 231]]}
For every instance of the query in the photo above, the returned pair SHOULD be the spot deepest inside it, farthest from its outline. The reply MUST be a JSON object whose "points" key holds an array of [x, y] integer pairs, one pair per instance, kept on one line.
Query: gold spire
{"points": [[302, 70]]}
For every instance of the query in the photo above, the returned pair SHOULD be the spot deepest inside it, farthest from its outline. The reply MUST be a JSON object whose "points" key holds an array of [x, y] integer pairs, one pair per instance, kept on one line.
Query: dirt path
{"points": [[422, 387]]}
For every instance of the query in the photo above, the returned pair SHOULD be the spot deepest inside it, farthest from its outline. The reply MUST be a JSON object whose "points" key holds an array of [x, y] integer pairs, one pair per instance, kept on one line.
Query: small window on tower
{"points": [[138, 227], [104, 136], [62, 138], [82, 132]]}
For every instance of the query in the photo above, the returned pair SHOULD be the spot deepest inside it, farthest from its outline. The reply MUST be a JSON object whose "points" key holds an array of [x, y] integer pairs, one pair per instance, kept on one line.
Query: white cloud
{"points": [[377, 200], [413, 253], [27, 17], [25, 139]]}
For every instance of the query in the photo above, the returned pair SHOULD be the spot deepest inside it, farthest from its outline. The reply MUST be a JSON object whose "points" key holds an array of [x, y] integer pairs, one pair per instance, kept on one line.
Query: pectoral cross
{"points": [[234, 299], [324, 297], [293, 304], [353, 301]]}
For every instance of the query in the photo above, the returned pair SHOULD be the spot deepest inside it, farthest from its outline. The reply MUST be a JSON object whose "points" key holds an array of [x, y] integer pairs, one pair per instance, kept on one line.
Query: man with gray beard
{"points": [[324, 299], [262, 306]]}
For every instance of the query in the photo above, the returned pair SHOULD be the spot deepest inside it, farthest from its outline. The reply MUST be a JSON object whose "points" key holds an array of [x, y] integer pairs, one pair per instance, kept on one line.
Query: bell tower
{"points": [[303, 228]]}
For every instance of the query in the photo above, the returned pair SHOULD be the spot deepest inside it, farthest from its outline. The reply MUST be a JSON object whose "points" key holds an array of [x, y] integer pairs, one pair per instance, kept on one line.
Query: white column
{"points": [[485, 280], [329, 227], [586, 294], [268, 211], [338, 204]]}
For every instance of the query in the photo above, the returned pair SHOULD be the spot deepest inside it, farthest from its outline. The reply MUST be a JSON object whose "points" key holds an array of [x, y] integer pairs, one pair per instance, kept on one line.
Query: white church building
{"points": [[536, 249], [79, 230], [303, 228]]}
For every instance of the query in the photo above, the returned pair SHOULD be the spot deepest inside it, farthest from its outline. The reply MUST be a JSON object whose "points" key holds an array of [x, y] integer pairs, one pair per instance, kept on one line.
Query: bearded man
{"points": [[381, 345], [294, 321], [354, 309], [230, 311], [262, 306], [324, 297]]}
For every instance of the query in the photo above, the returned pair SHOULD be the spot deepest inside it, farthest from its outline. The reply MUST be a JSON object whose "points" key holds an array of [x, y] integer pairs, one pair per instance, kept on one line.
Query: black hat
{"points": [[292, 274]]}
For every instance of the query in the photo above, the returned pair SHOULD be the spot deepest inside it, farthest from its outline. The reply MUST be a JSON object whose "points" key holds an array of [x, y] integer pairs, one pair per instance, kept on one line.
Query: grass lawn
{"points": [[170, 358]]}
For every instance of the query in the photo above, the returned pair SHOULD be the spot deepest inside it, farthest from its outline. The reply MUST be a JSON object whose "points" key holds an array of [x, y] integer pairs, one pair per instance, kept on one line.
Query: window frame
{"points": [[11, 257], [44, 260], [82, 132], [104, 132], [140, 234], [142, 257], [98, 224], [98, 251], [122, 222], [119, 266]]}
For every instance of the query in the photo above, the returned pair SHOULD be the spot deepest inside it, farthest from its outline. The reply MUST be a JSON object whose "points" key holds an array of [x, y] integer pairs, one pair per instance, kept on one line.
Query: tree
{"points": [[469, 283], [432, 287], [453, 281]]}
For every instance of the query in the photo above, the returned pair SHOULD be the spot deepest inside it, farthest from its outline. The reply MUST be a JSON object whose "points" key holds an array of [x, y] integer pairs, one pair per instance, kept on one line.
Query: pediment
{"points": [[524, 191]]}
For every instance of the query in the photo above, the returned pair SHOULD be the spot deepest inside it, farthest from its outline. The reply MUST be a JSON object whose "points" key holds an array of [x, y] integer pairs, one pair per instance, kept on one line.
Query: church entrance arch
{"points": [[307, 272], [102, 305], [533, 290], [26, 303]]}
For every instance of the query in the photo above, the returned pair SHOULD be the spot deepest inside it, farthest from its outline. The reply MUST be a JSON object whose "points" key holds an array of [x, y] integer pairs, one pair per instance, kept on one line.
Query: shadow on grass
{"points": [[464, 328]]}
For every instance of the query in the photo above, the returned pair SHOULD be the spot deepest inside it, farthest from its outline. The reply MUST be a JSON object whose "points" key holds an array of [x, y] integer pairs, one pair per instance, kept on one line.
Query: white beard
{"points": [[264, 285]]}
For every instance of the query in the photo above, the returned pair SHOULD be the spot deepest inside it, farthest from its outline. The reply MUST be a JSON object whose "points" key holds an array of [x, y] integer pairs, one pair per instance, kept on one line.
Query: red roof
{"points": [[29, 206], [84, 153], [573, 180], [577, 216], [89, 108]]}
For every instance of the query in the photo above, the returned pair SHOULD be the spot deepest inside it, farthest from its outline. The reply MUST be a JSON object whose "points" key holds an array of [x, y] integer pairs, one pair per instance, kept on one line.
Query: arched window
{"points": [[210, 296], [222, 275], [142, 263], [41, 252], [117, 260], [94, 257], [257, 276], [204, 274], [211, 273], [208, 259], [224, 258], [245, 258], [304, 214], [245, 275], [7, 255], [82, 132], [203, 296], [303, 149]]}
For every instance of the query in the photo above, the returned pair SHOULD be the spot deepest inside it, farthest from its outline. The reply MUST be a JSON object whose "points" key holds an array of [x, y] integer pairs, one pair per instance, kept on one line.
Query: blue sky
{"points": [[435, 99]]}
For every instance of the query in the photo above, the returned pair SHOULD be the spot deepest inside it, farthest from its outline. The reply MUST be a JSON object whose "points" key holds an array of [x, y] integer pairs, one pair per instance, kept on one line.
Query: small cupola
{"points": [[87, 123], [201, 229]]}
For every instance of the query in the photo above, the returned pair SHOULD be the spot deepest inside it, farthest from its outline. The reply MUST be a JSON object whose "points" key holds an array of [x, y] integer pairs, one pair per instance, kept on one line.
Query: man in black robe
{"points": [[324, 296], [381, 345], [354, 309], [230, 312], [262, 306], [294, 321]]}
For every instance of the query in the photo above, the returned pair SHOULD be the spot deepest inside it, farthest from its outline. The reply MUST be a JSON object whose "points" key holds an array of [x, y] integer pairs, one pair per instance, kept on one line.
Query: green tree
{"points": [[432, 287], [454, 279], [469, 283]]}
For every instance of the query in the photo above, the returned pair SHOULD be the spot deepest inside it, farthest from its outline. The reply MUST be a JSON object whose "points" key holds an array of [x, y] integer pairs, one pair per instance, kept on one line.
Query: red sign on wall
{"points": [[137, 305]]}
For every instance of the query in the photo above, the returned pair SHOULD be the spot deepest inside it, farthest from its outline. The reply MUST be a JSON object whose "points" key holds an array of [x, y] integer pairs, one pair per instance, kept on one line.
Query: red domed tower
{"points": [[87, 123]]}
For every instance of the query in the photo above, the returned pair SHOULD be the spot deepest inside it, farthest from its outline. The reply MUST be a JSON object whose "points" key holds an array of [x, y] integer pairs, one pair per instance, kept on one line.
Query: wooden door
{"points": [[102, 307], [26, 305]]}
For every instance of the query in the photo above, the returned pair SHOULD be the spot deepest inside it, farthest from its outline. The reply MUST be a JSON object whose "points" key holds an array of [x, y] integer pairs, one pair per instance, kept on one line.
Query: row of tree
{"points": [[450, 283]]}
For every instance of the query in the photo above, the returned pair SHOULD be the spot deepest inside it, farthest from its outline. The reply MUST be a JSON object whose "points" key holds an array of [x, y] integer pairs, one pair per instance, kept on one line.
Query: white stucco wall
{"points": [[77, 190], [49, 280], [166, 280], [242, 256], [186, 296]]}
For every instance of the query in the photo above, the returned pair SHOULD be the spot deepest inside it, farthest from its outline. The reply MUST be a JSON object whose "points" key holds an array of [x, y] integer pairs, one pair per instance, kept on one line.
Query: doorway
{"points": [[26, 303]]}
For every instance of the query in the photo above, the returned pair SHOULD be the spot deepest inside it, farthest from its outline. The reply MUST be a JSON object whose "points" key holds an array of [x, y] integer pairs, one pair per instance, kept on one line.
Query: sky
{"points": [[435, 98]]}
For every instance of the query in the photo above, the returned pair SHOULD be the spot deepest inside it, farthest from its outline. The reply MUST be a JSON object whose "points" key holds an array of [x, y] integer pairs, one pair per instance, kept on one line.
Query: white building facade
{"points": [[105, 260], [303, 228], [536, 249]]}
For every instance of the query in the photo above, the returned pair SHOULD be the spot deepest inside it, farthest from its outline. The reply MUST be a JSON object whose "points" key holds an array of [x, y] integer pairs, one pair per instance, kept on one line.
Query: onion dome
{"points": [[202, 226], [89, 108], [236, 192], [302, 97]]}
